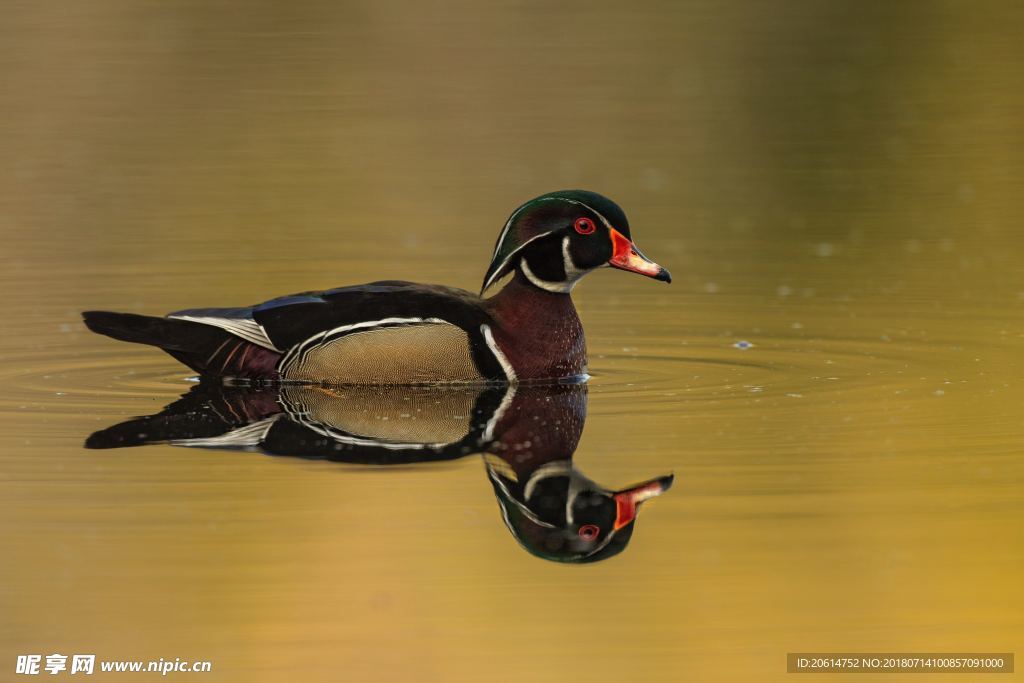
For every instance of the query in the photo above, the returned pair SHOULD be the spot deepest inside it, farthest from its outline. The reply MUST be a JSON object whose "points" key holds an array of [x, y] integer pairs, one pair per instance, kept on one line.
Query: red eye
{"points": [[588, 532], [585, 226]]}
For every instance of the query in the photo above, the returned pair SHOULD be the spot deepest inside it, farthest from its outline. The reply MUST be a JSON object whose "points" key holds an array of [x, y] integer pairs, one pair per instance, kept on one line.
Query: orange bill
{"points": [[626, 256], [628, 500]]}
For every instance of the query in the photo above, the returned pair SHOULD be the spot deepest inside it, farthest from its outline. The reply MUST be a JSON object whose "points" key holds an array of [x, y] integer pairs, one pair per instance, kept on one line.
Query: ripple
{"points": [[655, 376], [53, 380]]}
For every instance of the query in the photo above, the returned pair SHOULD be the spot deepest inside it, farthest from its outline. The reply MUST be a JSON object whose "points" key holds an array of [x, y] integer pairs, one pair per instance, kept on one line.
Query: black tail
{"points": [[203, 348], [167, 333], [159, 428], [207, 410]]}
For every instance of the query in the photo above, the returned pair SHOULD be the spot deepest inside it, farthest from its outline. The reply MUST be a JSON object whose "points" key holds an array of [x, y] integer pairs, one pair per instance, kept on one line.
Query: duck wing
{"points": [[388, 332]]}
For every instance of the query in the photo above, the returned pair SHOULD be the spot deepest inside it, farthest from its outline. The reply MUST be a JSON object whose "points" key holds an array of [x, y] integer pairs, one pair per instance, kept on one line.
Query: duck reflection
{"points": [[527, 435]]}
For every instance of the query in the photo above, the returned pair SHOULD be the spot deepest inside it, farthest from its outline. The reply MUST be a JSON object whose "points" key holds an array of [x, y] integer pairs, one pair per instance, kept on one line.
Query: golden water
{"points": [[837, 184]]}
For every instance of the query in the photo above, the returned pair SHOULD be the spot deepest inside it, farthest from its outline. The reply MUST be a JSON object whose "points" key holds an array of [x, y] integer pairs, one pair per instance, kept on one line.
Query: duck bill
{"points": [[626, 256], [628, 500]]}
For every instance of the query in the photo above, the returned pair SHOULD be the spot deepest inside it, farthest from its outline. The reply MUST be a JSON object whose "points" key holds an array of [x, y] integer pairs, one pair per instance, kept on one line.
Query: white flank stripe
{"points": [[299, 349], [506, 401], [364, 441], [510, 374], [382, 321]]}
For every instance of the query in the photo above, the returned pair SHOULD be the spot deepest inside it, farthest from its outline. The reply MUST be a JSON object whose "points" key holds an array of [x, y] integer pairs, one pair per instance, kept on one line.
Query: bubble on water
{"points": [[965, 193], [797, 326], [824, 249], [784, 290], [711, 287], [652, 179], [940, 392], [743, 345], [895, 148], [740, 225]]}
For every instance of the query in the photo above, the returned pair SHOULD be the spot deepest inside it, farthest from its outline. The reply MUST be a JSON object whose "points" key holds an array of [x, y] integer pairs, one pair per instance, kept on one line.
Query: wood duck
{"points": [[528, 435], [394, 332]]}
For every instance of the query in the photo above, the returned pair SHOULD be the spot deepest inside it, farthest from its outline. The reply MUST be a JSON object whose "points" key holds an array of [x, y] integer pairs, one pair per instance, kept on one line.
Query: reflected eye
{"points": [[588, 532], [585, 226]]}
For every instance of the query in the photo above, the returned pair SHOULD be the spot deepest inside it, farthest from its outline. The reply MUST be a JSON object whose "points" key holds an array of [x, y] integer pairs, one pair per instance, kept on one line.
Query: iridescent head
{"points": [[557, 238]]}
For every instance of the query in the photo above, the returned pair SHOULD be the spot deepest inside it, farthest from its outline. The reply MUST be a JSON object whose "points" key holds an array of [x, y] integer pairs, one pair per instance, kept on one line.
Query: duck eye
{"points": [[588, 532], [585, 226]]}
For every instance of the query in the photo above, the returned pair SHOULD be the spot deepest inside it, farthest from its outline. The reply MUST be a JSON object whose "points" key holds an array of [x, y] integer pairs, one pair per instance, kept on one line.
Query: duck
{"points": [[403, 333], [527, 435]]}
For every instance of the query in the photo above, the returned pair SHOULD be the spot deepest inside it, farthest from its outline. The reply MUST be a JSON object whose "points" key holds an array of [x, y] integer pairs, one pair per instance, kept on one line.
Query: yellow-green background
{"points": [[838, 183]]}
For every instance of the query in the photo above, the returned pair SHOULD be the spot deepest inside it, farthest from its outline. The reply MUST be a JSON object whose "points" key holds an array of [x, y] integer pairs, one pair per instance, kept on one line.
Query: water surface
{"points": [[833, 377]]}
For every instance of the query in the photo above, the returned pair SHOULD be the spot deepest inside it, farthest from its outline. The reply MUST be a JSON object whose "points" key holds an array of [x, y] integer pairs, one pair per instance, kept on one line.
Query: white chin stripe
{"points": [[247, 329], [547, 286], [572, 273]]}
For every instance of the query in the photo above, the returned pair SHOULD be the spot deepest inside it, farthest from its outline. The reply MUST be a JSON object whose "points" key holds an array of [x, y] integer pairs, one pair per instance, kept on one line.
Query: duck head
{"points": [[557, 238], [560, 515]]}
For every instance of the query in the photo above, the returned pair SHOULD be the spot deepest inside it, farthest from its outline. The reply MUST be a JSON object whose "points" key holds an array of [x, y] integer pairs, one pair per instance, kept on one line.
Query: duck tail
{"points": [[209, 415], [204, 348], [167, 333]]}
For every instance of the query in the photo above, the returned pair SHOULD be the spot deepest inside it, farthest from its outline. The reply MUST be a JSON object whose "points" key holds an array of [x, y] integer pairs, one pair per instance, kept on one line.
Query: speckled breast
{"points": [[423, 353]]}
